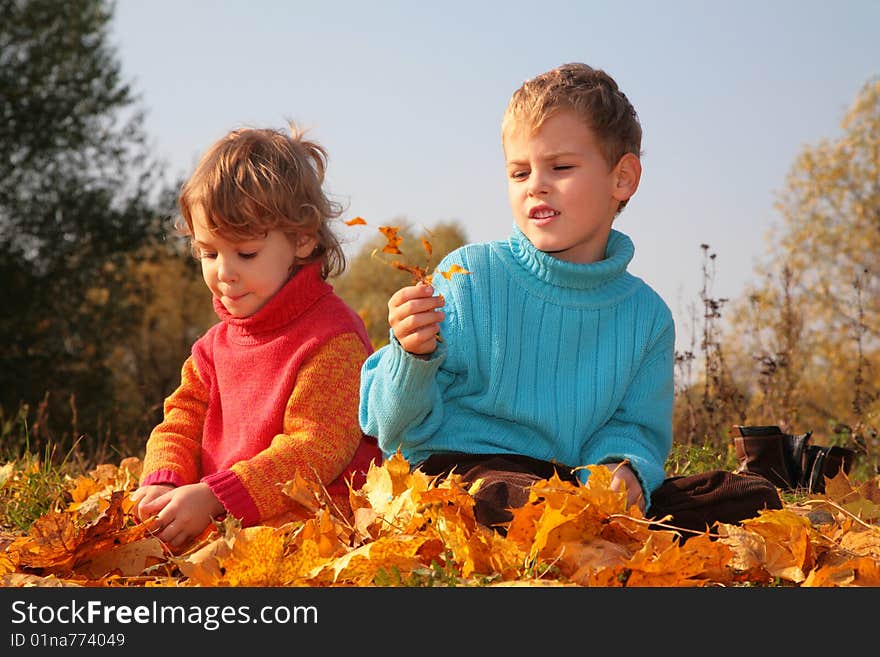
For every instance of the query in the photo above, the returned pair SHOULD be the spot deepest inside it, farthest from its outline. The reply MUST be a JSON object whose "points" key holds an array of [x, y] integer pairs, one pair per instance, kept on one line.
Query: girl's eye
{"points": [[248, 256], [519, 175], [563, 167], [210, 255]]}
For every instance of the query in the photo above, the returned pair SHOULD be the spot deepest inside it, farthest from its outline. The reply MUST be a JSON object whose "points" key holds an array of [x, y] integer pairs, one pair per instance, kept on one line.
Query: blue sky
{"points": [[407, 98]]}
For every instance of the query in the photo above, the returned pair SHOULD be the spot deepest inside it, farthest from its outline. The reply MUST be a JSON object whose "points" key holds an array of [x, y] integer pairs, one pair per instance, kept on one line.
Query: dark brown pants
{"points": [[694, 502], [506, 480]]}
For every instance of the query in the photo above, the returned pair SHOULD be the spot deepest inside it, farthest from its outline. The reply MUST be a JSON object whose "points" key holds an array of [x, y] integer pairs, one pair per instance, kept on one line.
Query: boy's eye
{"points": [[210, 255], [519, 175], [248, 255], [563, 167]]}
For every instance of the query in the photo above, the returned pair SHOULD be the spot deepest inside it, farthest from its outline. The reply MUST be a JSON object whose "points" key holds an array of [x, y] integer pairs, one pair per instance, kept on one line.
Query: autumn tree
{"points": [[176, 309], [812, 324], [78, 195], [370, 279]]}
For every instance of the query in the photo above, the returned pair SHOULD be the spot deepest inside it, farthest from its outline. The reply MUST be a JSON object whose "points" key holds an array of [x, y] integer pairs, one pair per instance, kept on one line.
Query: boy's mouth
{"points": [[542, 212]]}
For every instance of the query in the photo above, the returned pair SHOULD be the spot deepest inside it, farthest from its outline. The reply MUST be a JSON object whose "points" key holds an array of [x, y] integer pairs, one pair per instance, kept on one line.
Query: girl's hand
{"points": [[145, 495], [182, 513], [623, 475], [415, 319]]}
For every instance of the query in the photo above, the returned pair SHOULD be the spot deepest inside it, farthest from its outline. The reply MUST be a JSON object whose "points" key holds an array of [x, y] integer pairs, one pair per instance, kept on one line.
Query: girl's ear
{"points": [[305, 246], [627, 174]]}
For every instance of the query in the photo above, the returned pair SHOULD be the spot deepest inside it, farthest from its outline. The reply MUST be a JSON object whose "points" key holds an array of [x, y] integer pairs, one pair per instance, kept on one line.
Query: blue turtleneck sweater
{"points": [[559, 361]]}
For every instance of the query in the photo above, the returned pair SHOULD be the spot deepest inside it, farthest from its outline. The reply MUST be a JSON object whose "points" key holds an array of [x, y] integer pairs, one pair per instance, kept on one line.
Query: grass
{"points": [[31, 487], [691, 459]]}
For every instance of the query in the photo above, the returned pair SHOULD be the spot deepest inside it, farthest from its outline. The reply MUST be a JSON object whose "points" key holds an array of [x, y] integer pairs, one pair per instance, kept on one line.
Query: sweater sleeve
{"points": [[402, 396], [401, 402], [319, 439], [641, 428], [173, 450]]}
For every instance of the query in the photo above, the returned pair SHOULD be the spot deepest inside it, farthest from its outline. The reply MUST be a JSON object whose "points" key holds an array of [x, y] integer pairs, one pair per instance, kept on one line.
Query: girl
{"points": [[272, 389]]}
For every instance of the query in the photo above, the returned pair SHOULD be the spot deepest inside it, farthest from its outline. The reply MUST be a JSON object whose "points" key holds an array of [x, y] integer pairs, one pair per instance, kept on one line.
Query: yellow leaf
{"points": [[6, 473], [862, 542], [582, 562], [126, 560], [257, 558], [864, 509], [785, 549], [360, 566]]}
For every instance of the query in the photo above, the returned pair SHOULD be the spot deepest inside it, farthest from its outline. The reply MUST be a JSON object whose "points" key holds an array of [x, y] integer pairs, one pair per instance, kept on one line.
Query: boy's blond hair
{"points": [[590, 93], [255, 180]]}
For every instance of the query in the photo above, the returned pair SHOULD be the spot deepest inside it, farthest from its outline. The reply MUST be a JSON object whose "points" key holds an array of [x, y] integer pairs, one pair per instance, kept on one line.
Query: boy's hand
{"points": [[414, 318], [623, 475]]}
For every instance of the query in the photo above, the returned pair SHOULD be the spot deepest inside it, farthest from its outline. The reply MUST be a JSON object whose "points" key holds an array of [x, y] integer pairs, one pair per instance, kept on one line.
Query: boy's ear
{"points": [[627, 174]]}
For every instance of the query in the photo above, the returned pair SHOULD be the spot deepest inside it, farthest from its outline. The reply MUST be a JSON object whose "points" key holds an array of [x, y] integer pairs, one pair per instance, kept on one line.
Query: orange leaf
{"points": [[394, 240], [126, 560], [779, 540], [417, 272], [357, 221], [454, 269], [860, 571]]}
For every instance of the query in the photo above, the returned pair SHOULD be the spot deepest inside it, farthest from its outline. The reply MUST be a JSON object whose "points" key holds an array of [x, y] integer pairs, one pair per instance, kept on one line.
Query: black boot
{"points": [[766, 451], [797, 448], [825, 463], [789, 461]]}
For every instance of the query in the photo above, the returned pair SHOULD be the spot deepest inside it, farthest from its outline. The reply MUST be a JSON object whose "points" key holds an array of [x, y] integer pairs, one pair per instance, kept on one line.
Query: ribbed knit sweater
{"points": [[264, 397], [559, 361]]}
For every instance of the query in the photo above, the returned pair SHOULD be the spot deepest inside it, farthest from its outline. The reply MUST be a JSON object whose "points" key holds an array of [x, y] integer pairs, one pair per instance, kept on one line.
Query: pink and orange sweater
{"points": [[265, 397]]}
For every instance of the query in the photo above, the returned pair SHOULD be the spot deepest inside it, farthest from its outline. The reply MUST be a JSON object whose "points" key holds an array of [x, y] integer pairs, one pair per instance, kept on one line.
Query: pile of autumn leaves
{"points": [[407, 529]]}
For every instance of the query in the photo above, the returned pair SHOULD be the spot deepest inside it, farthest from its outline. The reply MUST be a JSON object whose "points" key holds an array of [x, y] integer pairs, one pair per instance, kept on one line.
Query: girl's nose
{"points": [[225, 269]]}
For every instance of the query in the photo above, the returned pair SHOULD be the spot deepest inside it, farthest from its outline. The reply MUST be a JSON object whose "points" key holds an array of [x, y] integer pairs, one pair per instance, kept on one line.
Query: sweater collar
{"points": [[294, 298], [618, 253]]}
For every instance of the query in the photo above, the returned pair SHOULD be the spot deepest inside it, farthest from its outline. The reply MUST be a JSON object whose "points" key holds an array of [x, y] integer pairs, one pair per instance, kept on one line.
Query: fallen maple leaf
{"points": [[778, 541], [253, 556], [408, 529], [861, 571], [129, 559], [59, 543]]}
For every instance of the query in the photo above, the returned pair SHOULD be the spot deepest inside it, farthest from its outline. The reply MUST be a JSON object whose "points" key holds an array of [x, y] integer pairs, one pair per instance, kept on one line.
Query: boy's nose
{"points": [[537, 184]]}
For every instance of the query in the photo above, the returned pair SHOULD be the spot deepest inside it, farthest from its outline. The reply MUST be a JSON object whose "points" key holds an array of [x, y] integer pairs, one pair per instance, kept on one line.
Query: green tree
{"points": [[78, 194], [370, 279]]}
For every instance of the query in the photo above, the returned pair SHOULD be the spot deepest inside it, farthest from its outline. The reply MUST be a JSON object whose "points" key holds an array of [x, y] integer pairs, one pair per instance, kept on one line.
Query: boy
{"points": [[552, 355]]}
